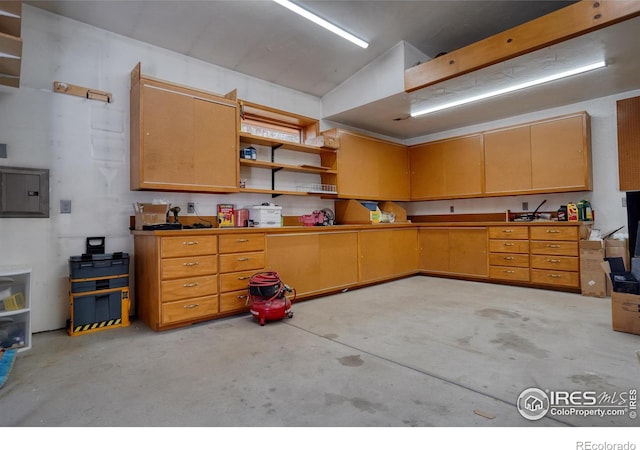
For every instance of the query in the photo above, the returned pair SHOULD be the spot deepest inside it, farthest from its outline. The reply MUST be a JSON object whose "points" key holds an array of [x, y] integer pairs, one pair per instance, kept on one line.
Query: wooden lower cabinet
{"points": [[312, 263], [176, 279], [454, 250], [387, 254]]}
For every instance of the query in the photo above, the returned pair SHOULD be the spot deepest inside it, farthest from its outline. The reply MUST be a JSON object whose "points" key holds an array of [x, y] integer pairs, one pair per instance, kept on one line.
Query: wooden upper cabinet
{"points": [[182, 139], [628, 117], [507, 160], [371, 169], [452, 168], [560, 159]]}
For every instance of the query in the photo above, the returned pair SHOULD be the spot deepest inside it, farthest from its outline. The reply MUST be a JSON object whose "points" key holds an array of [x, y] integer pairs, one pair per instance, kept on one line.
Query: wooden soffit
{"points": [[561, 25]]}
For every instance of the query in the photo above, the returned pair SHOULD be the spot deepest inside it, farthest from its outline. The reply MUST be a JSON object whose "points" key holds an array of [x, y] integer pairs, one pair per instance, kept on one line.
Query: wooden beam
{"points": [[561, 25]]}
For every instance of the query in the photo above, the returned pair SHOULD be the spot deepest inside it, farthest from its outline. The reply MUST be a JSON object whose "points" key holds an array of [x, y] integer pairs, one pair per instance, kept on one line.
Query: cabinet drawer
{"points": [[191, 309], [569, 279], [237, 262], [554, 262], [508, 246], [509, 273], [188, 246], [189, 267], [189, 287], [234, 301], [235, 281], [566, 248], [551, 233], [521, 232], [505, 259], [241, 243]]}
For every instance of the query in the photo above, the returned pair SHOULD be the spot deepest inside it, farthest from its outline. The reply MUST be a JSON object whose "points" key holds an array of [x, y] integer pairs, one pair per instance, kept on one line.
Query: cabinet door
{"points": [[461, 251], [434, 249], [559, 154], [387, 254], [507, 160], [468, 251], [314, 262], [447, 169], [427, 174], [372, 169], [183, 143]]}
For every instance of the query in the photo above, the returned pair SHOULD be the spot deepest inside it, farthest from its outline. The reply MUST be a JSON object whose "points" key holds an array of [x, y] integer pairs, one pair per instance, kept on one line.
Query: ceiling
{"points": [[265, 40]]}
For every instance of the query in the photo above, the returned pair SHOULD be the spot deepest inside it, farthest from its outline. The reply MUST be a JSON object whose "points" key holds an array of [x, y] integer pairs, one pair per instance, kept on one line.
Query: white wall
{"points": [[85, 144], [606, 198]]}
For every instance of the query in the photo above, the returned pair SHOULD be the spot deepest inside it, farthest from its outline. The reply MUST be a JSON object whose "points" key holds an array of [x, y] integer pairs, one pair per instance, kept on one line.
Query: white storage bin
{"points": [[266, 216]]}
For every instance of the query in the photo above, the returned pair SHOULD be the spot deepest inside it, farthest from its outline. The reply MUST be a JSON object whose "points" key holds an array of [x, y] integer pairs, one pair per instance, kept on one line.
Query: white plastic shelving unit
{"points": [[15, 307]]}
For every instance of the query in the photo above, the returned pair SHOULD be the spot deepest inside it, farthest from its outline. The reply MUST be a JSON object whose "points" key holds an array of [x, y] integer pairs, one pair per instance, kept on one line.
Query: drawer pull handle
{"points": [[243, 278], [191, 306], [509, 271], [190, 285], [243, 296], [507, 231], [190, 243], [195, 263], [242, 259], [508, 244], [553, 231], [553, 275], [553, 246], [242, 240], [509, 258], [555, 261]]}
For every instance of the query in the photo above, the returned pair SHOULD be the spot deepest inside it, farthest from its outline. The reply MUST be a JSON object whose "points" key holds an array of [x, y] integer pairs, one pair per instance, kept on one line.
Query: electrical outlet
{"points": [[451, 209], [65, 206], [624, 202], [525, 206], [191, 208]]}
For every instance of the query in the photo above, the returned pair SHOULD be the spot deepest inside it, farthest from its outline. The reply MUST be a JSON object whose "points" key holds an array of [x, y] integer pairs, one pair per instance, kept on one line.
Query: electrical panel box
{"points": [[24, 192]]}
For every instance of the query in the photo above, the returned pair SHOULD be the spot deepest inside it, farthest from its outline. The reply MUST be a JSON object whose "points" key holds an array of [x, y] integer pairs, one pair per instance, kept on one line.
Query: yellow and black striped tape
{"points": [[93, 326]]}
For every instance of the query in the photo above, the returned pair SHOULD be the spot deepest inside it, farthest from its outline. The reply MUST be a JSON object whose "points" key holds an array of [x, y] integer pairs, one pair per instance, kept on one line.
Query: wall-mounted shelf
{"points": [[303, 168], [10, 43], [276, 143]]}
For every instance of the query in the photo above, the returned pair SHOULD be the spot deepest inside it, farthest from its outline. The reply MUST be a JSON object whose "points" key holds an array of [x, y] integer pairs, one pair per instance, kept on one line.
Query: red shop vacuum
{"points": [[267, 294]]}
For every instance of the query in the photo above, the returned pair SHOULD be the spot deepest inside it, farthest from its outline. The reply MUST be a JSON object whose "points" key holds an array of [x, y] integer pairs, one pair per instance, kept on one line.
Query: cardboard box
{"points": [[593, 280], [615, 248], [226, 215], [625, 312], [150, 214]]}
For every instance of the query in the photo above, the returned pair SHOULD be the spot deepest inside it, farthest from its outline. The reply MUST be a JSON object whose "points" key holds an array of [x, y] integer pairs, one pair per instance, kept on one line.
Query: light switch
{"points": [[65, 206]]}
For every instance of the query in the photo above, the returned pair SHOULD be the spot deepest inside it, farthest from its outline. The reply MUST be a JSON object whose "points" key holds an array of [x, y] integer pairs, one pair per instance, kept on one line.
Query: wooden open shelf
{"points": [[288, 167], [286, 145]]}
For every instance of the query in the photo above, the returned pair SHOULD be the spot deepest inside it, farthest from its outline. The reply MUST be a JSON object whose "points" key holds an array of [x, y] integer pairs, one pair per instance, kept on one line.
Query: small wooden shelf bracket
{"points": [[91, 94]]}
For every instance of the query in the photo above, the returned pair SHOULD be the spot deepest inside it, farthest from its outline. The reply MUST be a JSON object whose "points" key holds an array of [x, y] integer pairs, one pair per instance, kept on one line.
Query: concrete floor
{"points": [[422, 351]]}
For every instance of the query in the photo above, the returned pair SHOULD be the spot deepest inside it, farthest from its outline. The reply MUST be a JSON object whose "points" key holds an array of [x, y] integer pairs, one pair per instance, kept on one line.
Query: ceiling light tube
{"points": [[323, 23], [506, 90]]}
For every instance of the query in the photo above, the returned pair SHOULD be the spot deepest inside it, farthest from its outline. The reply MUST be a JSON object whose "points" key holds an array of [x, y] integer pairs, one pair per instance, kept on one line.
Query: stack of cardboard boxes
{"points": [[606, 270]]}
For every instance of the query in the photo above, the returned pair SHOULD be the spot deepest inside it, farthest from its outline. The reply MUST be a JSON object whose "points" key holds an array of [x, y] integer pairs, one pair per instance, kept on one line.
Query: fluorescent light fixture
{"points": [[323, 23], [506, 90]]}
